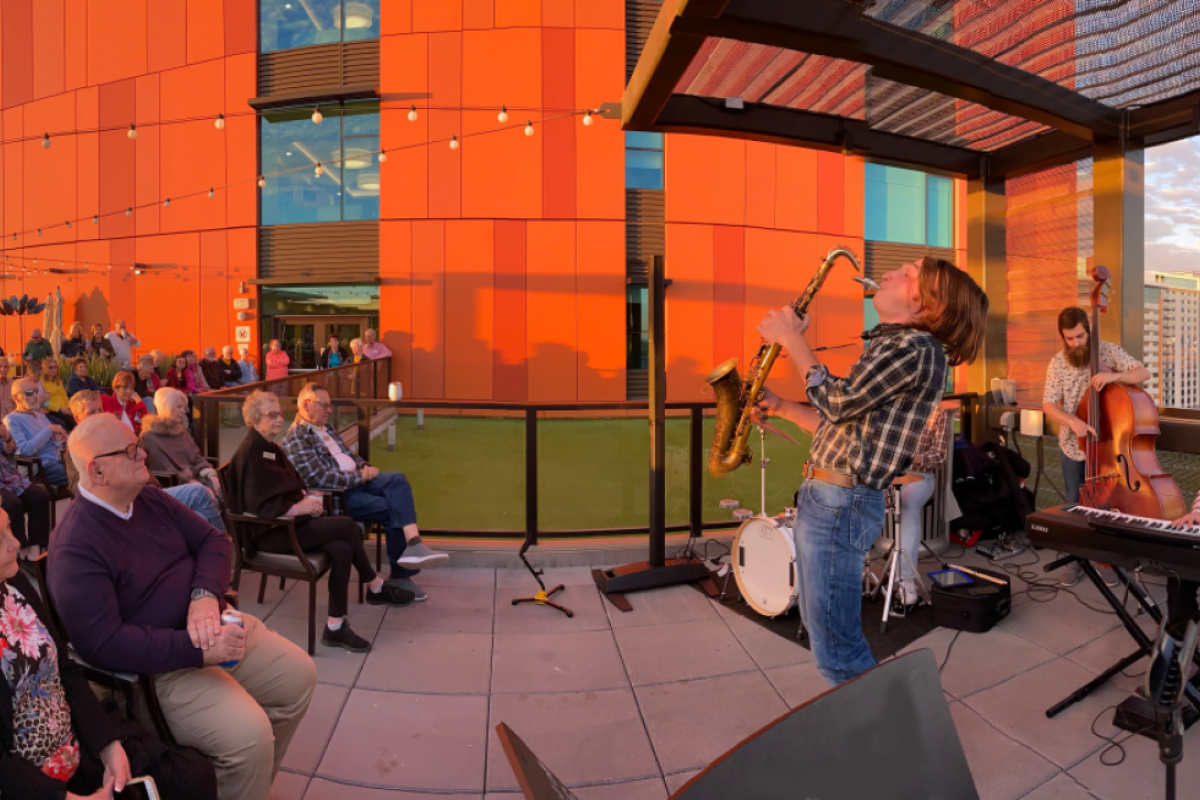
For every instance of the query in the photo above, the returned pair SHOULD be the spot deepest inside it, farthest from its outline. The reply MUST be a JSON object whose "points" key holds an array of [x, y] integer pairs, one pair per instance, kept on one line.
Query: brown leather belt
{"points": [[829, 476]]}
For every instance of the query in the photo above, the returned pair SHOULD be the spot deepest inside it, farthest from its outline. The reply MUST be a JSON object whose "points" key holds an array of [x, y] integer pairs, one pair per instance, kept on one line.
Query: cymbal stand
{"points": [[891, 569], [763, 461]]}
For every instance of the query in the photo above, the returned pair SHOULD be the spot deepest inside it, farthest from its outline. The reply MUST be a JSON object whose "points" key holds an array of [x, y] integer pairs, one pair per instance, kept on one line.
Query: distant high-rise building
{"points": [[1171, 339]]}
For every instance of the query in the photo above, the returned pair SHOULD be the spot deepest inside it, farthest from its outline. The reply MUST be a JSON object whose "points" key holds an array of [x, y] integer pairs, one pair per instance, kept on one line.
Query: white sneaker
{"points": [[908, 593], [1071, 575]]}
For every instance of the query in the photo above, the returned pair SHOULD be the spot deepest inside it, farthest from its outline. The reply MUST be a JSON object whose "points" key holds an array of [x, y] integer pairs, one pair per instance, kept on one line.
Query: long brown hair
{"points": [[955, 309]]}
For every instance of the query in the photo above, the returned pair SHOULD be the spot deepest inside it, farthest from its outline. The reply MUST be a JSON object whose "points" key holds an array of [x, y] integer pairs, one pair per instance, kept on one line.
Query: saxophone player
{"points": [[866, 428]]}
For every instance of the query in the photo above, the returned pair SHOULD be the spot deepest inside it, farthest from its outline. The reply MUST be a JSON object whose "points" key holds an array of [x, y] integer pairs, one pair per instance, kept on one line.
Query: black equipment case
{"points": [[973, 607]]}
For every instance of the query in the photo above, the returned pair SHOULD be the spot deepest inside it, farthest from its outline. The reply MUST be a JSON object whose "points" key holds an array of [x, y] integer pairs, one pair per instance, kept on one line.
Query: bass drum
{"points": [[764, 564]]}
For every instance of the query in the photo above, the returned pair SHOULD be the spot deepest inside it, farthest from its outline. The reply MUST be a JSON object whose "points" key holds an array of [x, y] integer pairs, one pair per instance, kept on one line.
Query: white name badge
{"points": [[269, 456]]}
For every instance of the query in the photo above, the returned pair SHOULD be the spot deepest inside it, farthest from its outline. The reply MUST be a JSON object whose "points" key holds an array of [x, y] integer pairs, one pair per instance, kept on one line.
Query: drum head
{"points": [[764, 564]]}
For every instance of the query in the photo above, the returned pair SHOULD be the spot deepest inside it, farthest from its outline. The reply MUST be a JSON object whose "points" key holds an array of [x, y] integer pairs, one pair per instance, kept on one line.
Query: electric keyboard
{"points": [[1121, 540]]}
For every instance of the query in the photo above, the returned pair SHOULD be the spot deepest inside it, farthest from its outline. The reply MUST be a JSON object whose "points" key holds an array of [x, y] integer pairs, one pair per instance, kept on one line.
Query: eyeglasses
{"points": [[274, 415], [129, 452], [30, 392], [322, 404]]}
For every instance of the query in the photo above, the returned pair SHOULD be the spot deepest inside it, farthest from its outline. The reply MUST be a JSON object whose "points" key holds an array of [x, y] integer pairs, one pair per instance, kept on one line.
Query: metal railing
{"points": [[365, 412]]}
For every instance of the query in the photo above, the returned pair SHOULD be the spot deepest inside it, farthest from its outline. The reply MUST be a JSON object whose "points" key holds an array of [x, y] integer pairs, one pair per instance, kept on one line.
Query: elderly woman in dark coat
{"points": [[261, 481], [169, 444], [56, 740]]}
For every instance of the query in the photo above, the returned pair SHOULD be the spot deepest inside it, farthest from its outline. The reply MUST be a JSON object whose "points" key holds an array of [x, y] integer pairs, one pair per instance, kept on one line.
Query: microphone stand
{"points": [[1166, 681]]}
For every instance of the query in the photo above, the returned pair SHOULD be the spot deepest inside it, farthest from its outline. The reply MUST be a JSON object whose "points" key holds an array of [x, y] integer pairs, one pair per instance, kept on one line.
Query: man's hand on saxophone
{"points": [[772, 405], [784, 328]]}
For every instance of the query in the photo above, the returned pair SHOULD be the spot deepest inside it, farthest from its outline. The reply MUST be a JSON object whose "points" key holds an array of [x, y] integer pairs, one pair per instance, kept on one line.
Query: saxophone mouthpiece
{"points": [[870, 287]]}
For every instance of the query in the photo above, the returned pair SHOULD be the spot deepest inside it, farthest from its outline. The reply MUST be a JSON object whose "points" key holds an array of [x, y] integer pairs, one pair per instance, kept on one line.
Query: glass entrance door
{"points": [[304, 337]]}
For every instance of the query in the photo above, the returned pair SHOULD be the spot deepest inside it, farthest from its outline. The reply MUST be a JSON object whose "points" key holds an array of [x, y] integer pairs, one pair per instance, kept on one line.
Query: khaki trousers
{"points": [[243, 718]]}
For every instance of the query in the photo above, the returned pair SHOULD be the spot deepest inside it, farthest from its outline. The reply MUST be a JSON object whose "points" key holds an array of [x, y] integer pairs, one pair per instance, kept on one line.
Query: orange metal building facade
{"points": [[503, 264]]}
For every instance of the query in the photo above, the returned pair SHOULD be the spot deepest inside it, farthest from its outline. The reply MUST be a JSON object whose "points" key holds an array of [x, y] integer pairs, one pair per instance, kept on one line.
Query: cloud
{"points": [[1173, 207]]}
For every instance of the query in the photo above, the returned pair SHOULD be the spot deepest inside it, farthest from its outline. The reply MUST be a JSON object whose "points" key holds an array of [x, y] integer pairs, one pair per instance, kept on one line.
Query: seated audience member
{"points": [[372, 347], [246, 362], [26, 504], [196, 496], [210, 367], [139, 587], [146, 381], [7, 406], [231, 373], [80, 380], [60, 742], [334, 355], [168, 444], [35, 433], [55, 393], [176, 374], [98, 345], [38, 348], [266, 485], [34, 370], [74, 345], [324, 462], [124, 402], [356, 351], [159, 357]]}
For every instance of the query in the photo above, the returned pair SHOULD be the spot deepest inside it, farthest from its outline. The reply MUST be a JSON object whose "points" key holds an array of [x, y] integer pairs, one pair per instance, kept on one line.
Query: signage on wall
{"points": [[241, 333]]}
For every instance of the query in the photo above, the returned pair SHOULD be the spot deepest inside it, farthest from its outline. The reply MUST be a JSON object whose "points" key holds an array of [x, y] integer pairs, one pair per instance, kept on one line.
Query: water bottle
{"points": [[231, 616]]}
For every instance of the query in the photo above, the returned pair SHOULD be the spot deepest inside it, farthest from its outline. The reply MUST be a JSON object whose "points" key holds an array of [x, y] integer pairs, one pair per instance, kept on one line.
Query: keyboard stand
{"points": [[1144, 642]]}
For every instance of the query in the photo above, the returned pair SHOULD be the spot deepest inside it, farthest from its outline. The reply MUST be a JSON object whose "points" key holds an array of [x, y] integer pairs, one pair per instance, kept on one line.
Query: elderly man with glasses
{"points": [[324, 462], [35, 433], [139, 587]]}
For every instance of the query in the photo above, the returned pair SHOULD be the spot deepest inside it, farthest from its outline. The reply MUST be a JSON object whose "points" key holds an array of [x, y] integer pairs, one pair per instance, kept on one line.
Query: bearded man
{"points": [[1067, 380]]}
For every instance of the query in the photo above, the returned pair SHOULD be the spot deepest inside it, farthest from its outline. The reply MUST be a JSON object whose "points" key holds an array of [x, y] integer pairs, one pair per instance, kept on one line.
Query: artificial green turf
{"points": [[468, 473]]}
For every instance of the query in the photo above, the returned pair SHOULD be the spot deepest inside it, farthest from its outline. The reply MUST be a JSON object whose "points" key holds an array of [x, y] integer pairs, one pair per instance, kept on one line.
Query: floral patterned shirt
{"points": [[1066, 385], [42, 732]]}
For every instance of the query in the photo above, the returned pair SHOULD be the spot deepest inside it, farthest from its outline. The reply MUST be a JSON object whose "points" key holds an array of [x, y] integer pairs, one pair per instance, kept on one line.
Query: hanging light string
{"points": [[453, 141], [331, 109]]}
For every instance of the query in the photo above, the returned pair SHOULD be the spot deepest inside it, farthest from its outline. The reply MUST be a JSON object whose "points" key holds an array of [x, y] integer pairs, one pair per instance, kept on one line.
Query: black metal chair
{"points": [[37, 474], [302, 566], [367, 528]]}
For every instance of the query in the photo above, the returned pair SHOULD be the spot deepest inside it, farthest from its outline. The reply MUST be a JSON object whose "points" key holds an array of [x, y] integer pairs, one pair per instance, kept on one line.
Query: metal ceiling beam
{"points": [[1051, 149], [838, 29], [688, 114], [1167, 120]]}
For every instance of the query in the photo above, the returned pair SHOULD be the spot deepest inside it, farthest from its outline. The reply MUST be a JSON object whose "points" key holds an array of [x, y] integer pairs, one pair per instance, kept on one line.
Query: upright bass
{"points": [[1122, 470]]}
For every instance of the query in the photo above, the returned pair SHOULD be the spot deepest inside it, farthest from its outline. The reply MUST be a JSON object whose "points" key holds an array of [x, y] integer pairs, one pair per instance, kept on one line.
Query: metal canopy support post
{"points": [[658, 571], [987, 252], [1120, 207]]}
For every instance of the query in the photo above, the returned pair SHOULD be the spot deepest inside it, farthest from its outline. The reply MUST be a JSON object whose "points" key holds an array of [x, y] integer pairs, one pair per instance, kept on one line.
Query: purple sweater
{"points": [[123, 588]]}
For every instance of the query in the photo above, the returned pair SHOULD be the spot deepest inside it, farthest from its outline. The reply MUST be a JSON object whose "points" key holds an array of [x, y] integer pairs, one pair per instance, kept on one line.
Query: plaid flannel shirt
{"points": [[315, 464], [872, 419]]}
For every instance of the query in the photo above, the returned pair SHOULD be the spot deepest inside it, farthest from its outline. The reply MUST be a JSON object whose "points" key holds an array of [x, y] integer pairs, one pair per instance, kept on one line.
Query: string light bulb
{"points": [[211, 193], [503, 115], [262, 182], [68, 223], [95, 219], [167, 203], [382, 156], [317, 116], [529, 128], [46, 141], [412, 115], [587, 118], [39, 231], [319, 171], [453, 142], [220, 123], [129, 212], [132, 134]]}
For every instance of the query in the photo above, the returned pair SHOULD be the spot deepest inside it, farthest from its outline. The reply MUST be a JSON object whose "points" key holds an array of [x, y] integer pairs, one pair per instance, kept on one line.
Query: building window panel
{"points": [[637, 327], [643, 160], [346, 144], [287, 24]]}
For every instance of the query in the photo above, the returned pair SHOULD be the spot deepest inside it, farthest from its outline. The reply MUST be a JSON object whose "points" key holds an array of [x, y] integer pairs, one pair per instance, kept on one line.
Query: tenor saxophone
{"points": [[736, 399]]}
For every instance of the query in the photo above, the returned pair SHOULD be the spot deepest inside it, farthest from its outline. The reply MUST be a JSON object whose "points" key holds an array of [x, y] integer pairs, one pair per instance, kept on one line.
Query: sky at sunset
{"points": [[1173, 207]]}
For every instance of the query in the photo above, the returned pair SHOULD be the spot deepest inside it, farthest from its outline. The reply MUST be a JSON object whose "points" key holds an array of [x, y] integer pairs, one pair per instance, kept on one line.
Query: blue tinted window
{"points": [[285, 24], [895, 205], [347, 147], [643, 169], [646, 141], [940, 213]]}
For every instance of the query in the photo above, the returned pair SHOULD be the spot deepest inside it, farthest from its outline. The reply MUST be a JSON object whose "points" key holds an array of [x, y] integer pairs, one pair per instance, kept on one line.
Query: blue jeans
{"points": [[913, 497], [55, 472], [199, 499], [834, 529], [1074, 473], [388, 499]]}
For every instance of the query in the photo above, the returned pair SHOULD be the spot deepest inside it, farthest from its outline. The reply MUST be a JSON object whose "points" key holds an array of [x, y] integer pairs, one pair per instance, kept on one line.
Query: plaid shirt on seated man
{"points": [[308, 448]]}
